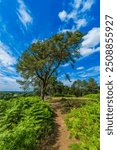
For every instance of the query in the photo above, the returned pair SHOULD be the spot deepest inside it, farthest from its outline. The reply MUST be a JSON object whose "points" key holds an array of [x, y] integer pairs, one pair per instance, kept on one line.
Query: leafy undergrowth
{"points": [[68, 104], [24, 123], [84, 123], [93, 96], [74, 146]]}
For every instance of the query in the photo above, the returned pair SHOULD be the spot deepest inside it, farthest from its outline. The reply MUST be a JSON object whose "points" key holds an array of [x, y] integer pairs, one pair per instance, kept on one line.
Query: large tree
{"points": [[42, 59]]}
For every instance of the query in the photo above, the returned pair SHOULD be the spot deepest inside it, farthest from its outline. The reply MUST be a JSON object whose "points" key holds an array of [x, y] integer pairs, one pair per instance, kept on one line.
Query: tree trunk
{"points": [[43, 92]]}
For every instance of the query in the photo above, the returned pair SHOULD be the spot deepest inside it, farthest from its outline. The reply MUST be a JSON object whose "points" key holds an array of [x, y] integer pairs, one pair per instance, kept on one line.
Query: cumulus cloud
{"points": [[8, 73], [81, 23], [24, 13], [77, 14], [62, 15], [92, 38], [85, 51], [90, 42], [6, 59]]}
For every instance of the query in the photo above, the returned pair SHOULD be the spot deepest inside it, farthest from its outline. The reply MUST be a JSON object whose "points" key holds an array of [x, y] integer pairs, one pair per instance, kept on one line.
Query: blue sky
{"points": [[23, 22]]}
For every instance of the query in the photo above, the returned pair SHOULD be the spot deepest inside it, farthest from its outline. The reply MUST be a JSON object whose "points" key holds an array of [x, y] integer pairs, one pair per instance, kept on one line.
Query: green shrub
{"points": [[74, 146], [93, 96], [69, 103], [84, 124], [24, 122]]}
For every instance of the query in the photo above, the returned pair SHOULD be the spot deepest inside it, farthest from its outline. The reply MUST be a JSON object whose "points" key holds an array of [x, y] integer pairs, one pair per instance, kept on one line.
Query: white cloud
{"points": [[34, 41], [87, 5], [24, 14], [92, 38], [62, 15], [90, 43], [6, 59], [95, 68], [72, 15], [12, 69], [91, 72], [80, 68], [77, 3], [78, 11], [7, 82], [81, 74], [84, 51], [81, 23], [65, 65], [68, 83]]}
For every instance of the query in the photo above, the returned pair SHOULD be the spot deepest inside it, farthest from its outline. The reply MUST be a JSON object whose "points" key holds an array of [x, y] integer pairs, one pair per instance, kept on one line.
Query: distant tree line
{"points": [[6, 95], [81, 88], [57, 88], [78, 88]]}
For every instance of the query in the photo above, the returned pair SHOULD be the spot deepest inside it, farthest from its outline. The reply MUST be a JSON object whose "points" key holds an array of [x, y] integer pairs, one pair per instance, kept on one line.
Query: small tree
{"points": [[42, 59], [77, 87], [93, 87]]}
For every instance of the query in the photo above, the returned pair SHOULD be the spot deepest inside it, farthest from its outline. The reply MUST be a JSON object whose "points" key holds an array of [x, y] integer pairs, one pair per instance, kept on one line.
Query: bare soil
{"points": [[60, 139]]}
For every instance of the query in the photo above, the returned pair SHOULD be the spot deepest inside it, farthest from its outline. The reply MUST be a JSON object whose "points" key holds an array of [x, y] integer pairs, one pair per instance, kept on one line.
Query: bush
{"points": [[93, 96], [74, 146], [84, 124], [68, 104], [24, 122]]}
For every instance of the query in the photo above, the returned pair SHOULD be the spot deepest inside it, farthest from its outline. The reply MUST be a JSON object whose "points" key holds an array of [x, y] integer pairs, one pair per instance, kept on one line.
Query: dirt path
{"points": [[61, 136]]}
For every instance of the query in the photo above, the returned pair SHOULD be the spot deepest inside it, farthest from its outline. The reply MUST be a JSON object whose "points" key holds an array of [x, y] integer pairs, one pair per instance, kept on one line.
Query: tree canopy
{"points": [[42, 59], [83, 87]]}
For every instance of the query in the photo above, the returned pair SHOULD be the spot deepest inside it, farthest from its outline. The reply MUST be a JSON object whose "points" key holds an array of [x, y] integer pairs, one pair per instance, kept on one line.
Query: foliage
{"points": [[78, 88], [74, 146], [42, 59], [54, 88], [24, 122], [84, 124], [68, 103], [8, 95], [93, 96], [93, 87], [81, 88]]}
